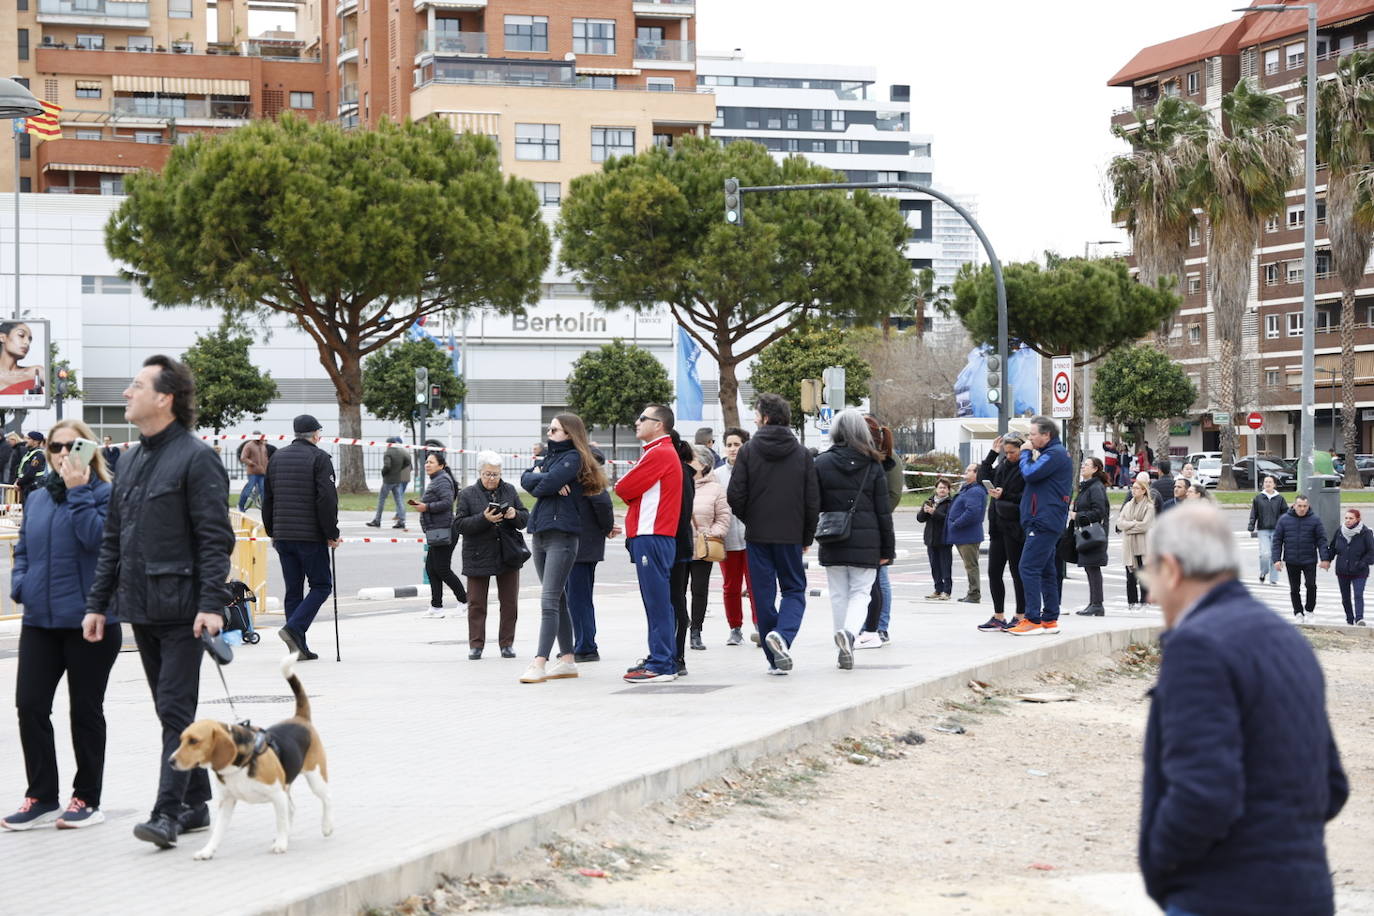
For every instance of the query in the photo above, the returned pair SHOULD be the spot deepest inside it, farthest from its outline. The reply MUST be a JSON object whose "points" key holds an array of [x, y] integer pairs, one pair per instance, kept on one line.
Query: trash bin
{"points": [[1323, 492]]}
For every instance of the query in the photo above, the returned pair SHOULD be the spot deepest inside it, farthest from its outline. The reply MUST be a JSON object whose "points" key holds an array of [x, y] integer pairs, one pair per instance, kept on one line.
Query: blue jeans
{"points": [[1039, 575], [301, 561], [397, 491], [885, 587], [773, 567], [653, 556], [554, 554], [255, 482], [1352, 589], [942, 567], [581, 582], [1266, 554]]}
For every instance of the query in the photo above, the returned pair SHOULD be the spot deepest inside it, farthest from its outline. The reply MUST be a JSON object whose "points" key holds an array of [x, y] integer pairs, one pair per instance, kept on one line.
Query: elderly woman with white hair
{"points": [[484, 508], [711, 517]]}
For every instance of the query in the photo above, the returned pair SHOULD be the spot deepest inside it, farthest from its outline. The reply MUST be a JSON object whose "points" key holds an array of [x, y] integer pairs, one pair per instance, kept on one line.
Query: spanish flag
{"points": [[45, 126]]}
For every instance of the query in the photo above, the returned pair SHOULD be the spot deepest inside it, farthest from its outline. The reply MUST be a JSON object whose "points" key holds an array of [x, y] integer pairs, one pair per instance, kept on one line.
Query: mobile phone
{"points": [[496, 507], [987, 485], [79, 458]]}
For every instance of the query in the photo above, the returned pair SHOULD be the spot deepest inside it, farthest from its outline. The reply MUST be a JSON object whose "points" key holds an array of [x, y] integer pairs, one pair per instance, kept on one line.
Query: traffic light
{"points": [[436, 399], [734, 202], [810, 395], [832, 390], [994, 378], [421, 384]]}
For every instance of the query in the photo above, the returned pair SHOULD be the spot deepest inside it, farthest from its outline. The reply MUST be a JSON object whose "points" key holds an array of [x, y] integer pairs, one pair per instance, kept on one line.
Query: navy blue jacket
{"points": [[1353, 557], [54, 561], [558, 468], [964, 524], [1299, 539], [1049, 480], [598, 518], [1241, 770]]}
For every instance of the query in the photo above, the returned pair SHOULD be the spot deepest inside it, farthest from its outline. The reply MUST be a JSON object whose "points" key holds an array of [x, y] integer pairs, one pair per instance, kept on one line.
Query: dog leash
{"points": [[229, 697]]}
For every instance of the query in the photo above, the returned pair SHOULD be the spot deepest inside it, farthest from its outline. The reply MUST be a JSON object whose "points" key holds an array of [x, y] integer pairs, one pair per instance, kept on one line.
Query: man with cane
{"points": [[164, 558]]}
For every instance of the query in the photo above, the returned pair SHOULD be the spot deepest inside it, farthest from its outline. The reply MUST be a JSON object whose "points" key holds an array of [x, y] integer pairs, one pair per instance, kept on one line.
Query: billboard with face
{"points": [[24, 364]]}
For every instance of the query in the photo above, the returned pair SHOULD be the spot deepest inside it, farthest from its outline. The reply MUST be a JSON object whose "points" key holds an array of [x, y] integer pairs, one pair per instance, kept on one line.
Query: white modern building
{"points": [[955, 243], [516, 366], [832, 115]]}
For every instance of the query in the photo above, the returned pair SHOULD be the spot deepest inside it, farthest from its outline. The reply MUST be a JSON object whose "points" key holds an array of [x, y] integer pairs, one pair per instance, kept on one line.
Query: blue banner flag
{"points": [[689, 395]]}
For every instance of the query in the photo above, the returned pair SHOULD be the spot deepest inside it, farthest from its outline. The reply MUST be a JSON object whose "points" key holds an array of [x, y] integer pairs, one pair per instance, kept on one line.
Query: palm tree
{"points": [[1151, 192], [1244, 171], [1345, 142], [924, 293]]}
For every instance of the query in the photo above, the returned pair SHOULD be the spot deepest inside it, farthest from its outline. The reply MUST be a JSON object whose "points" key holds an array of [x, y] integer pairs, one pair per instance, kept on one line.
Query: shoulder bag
{"points": [[514, 552], [833, 527], [708, 547]]}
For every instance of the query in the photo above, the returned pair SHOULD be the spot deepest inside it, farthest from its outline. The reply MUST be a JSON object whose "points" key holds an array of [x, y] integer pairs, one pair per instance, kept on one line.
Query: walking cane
{"points": [[334, 575]]}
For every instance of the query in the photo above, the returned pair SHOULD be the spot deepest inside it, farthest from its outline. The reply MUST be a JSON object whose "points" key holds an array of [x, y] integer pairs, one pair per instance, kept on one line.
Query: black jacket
{"points": [[1092, 506], [32, 468], [773, 489], [300, 501], [686, 540], [439, 496], [164, 554], [1300, 540], [1353, 557], [934, 520], [1163, 489], [481, 543], [598, 518], [841, 472], [1265, 511], [1004, 513]]}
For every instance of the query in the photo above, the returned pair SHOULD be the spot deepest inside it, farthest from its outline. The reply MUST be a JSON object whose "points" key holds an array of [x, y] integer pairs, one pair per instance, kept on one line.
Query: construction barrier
{"points": [[249, 560]]}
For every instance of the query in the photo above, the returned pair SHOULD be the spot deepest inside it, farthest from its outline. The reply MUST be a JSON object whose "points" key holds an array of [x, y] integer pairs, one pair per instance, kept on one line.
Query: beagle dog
{"points": [[256, 765]]}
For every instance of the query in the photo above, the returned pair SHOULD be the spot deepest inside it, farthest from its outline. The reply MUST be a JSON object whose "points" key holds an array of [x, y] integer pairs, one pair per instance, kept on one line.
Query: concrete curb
{"points": [[393, 591], [418, 870]]}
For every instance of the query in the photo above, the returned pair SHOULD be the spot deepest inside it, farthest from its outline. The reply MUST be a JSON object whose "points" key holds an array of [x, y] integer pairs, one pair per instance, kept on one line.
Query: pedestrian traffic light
{"points": [[734, 202], [994, 378], [436, 399], [810, 395], [421, 384]]}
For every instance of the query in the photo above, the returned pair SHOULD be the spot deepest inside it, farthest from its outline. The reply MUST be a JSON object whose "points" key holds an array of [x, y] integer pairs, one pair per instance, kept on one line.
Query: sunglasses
{"points": [[645, 417], [56, 447], [555, 429]]}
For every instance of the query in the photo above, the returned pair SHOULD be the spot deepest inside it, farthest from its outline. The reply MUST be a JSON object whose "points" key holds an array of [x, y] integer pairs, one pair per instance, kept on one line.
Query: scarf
{"points": [[56, 487], [1351, 533]]}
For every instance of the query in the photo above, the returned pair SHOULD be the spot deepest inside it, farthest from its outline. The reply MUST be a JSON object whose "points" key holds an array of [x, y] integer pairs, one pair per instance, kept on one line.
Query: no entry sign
{"points": [[1255, 420], [1061, 387]]}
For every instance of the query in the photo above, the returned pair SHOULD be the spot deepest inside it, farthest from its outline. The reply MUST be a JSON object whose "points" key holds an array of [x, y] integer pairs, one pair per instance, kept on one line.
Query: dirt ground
{"points": [[978, 803]]}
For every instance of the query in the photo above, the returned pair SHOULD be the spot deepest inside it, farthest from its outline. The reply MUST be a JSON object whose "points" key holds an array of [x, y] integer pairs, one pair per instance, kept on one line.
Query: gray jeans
{"points": [[554, 553]]}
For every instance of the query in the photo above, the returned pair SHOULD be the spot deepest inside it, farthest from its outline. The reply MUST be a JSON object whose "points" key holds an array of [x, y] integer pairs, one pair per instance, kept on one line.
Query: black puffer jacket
{"points": [[1265, 511], [773, 489], [933, 514], [848, 478], [164, 554], [1004, 513], [481, 543], [686, 540], [300, 501], [438, 500], [1092, 506], [598, 518]]}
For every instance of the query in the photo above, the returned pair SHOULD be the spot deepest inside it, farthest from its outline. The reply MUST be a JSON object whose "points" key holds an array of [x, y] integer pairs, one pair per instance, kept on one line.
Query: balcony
{"points": [[179, 109], [245, 49], [451, 44], [345, 7], [348, 97], [665, 9], [117, 14], [421, 5], [348, 48], [658, 55]]}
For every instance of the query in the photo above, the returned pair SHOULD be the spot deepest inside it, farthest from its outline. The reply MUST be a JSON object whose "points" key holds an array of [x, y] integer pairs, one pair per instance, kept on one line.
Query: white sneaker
{"points": [[782, 659], [534, 674], [560, 669], [434, 613], [868, 640]]}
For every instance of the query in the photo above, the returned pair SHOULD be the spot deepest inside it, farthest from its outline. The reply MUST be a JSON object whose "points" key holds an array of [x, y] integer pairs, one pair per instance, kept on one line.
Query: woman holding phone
{"points": [[436, 520], [54, 564]]}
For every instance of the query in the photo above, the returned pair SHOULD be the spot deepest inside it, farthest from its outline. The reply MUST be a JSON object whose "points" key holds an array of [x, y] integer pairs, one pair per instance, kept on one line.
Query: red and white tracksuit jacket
{"points": [[652, 491]]}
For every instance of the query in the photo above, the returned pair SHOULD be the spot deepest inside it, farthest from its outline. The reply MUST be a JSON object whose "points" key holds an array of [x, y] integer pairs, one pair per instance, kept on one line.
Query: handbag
{"points": [[1091, 537], [439, 537], [514, 552], [1067, 548], [833, 527], [708, 547]]}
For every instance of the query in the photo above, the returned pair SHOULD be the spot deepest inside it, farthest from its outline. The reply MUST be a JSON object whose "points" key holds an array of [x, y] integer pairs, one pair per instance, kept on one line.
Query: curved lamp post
{"points": [[17, 102]]}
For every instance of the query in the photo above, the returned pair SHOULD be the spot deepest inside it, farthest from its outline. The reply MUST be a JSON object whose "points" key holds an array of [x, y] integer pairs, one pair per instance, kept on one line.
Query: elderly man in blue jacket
{"points": [[1299, 540], [1241, 770], [964, 529], [1048, 471]]}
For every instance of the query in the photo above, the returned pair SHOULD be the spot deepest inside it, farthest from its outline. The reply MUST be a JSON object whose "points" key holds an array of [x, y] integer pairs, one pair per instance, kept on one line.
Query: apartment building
{"points": [[561, 85], [1269, 50], [955, 243]]}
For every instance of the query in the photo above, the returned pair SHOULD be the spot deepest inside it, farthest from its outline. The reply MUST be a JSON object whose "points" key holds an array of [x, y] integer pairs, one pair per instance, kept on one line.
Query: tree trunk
{"points": [[351, 476], [1227, 374], [1349, 420], [729, 384]]}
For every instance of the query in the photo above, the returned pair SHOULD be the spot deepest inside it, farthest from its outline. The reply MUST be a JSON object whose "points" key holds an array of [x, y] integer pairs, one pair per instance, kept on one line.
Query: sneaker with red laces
{"points": [[648, 676], [32, 813], [1026, 628], [79, 814], [1049, 627]]}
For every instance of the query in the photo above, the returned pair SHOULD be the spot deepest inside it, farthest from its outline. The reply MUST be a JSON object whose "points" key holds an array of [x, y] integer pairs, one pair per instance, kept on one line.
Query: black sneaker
{"points": [[586, 656], [696, 640], [993, 625], [681, 667], [160, 830], [193, 819], [307, 656], [507, 652], [293, 642], [78, 815], [400, 525], [373, 524], [32, 813], [1092, 610]]}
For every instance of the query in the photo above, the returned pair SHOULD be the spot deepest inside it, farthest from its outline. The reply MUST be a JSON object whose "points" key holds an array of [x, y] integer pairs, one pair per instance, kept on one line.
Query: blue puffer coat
{"points": [[964, 524], [1354, 556], [1299, 539], [54, 561], [558, 468]]}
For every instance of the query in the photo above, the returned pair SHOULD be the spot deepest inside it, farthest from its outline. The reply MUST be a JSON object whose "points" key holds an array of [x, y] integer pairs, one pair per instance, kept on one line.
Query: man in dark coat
{"points": [[1163, 485], [300, 510], [164, 558], [1299, 540], [1241, 771], [1005, 536], [1048, 472]]}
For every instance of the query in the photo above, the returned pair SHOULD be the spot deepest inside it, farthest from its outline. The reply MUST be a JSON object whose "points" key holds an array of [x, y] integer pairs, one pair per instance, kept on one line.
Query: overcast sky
{"points": [[1014, 92]]}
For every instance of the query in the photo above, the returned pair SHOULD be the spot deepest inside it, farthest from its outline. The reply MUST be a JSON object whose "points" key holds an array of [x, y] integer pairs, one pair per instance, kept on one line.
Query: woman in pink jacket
{"points": [[710, 516]]}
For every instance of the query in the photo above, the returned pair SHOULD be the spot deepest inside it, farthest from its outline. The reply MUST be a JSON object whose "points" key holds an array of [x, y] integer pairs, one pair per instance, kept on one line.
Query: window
{"points": [[662, 84], [793, 146], [1327, 320], [720, 118], [179, 9], [1295, 324], [1294, 271], [1369, 316], [751, 119], [837, 120], [1271, 274], [1194, 234], [888, 176], [612, 141], [1323, 264], [364, 50], [536, 142], [649, 33], [450, 26], [663, 140], [1271, 224], [1271, 326], [1194, 284], [1273, 378], [147, 136], [775, 121], [1321, 211], [550, 193], [87, 90], [108, 286], [817, 119], [1193, 83], [792, 120], [1194, 333], [1295, 217], [23, 6], [88, 135], [1175, 331], [25, 145], [1295, 54], [846, 146], [817, 146], [302, 100], [1271, 61], [140, 42], [1171, 89], [91, 42], [595, 82], [593, 36], [23, 44]]}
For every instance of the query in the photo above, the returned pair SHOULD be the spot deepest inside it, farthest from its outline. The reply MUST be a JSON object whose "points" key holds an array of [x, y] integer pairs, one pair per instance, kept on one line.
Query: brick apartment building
{"points": [[1269, 49]]}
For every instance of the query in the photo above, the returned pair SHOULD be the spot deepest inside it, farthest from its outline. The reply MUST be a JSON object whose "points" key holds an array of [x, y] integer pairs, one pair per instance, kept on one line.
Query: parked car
{"points": [[1195, 457], [1365, 465], [1208, 471], [1244, 472]]}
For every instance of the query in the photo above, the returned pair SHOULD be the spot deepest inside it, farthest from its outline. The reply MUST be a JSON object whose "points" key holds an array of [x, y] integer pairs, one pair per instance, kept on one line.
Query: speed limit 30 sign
{"points": [[1061, 387]]}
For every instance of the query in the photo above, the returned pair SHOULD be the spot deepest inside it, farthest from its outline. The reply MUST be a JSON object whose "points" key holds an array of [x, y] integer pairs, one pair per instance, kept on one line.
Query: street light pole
{"points": [[17, 102]]}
